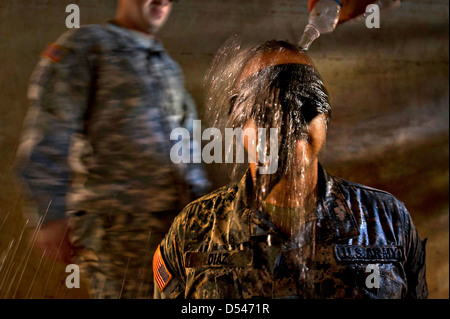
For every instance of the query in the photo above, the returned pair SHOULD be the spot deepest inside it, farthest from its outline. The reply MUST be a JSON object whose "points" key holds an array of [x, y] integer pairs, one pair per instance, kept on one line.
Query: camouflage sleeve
{"points": [[172, 255], [415, 263], [58, 97], [196, 175]]}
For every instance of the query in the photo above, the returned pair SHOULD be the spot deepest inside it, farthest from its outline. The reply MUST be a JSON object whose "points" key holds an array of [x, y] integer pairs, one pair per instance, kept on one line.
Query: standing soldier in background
{"points": [[95, 151]]}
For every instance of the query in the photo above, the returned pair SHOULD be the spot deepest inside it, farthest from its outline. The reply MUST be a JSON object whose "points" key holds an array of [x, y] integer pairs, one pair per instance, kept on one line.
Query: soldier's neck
{"points": [[295, 195], [298, 189]]}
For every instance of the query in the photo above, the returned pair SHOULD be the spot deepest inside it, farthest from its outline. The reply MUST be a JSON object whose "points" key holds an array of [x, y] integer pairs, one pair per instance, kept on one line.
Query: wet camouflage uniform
{"points": [[219, 247], [104, 100]]}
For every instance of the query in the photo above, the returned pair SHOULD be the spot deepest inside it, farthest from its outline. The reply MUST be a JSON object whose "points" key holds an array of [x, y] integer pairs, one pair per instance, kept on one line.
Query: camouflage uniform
{"points": [[221, 247], [96, 146]]}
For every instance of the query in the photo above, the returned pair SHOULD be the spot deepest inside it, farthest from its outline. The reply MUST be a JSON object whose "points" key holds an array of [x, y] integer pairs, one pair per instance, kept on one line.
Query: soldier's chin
{"points": [[296, 170]]}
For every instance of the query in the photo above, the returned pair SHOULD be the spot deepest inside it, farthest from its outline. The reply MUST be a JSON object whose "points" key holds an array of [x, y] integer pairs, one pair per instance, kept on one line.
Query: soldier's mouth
{"points": [[156, 12]]}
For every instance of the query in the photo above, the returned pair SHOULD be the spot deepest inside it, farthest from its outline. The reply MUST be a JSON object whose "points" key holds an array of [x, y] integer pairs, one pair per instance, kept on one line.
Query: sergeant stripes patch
{"points": [[55, 53], [161, 274]]}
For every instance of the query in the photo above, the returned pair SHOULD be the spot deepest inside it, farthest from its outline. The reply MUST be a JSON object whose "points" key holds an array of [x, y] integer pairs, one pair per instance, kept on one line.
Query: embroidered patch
{"points": [[233, 258], [375, 253], [160, 271], [55, 53]]}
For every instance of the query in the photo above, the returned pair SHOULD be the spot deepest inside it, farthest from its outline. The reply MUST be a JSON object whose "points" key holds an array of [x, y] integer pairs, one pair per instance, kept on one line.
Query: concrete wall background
{"points": [[389, 89]]}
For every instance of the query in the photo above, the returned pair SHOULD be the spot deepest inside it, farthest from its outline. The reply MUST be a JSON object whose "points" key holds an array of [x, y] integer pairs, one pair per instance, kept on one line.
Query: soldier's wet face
{"points": [[281, 89], [306, 149], [145, 15]]}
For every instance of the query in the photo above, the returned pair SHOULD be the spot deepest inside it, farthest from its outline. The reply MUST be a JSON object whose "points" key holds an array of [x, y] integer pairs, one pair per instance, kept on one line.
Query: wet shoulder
{"points": [[86, 37], [371, 197], [203, 210], [361, 187]]}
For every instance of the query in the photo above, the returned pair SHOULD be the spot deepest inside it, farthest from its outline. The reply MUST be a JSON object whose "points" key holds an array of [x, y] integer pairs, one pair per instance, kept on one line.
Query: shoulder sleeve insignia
{"points": [[55, 53], [160, 272]]}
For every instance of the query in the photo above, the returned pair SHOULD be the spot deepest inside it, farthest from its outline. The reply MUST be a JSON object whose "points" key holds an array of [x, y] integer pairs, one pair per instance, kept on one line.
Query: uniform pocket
{"points": [[379, 281]]}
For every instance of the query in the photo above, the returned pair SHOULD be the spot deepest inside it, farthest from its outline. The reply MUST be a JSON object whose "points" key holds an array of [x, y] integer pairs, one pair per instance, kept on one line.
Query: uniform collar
{"points": [[134, 39], [335, 220]]}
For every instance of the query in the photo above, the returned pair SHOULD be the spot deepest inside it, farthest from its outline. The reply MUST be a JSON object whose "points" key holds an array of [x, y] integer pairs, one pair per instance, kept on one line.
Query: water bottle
{"points": [[322, 19]]}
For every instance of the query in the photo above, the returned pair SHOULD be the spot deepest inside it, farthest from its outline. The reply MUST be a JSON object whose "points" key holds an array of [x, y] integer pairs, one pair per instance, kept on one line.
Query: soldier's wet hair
{"points": [[255, 84], [283, 95]]}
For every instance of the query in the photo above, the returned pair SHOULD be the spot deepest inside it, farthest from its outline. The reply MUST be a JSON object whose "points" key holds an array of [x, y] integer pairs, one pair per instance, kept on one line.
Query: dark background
{"points": [[389, 89]]}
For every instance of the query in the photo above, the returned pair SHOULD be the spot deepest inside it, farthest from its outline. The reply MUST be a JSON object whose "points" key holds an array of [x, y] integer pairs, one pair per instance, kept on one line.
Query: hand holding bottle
{"points": [[325, 15], [323, 19]]}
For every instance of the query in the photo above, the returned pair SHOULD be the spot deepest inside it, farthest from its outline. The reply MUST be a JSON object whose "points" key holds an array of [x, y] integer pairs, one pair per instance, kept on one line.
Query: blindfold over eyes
{"points": [[293, 91]]}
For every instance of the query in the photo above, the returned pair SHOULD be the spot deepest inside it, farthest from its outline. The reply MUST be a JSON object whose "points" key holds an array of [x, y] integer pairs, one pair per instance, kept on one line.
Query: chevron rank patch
{"points": [[160, 271], [55, 53]]}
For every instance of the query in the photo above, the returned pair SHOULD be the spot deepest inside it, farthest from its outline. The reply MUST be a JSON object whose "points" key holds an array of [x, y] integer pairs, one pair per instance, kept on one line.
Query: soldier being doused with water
{"points": [[298, 232]]}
